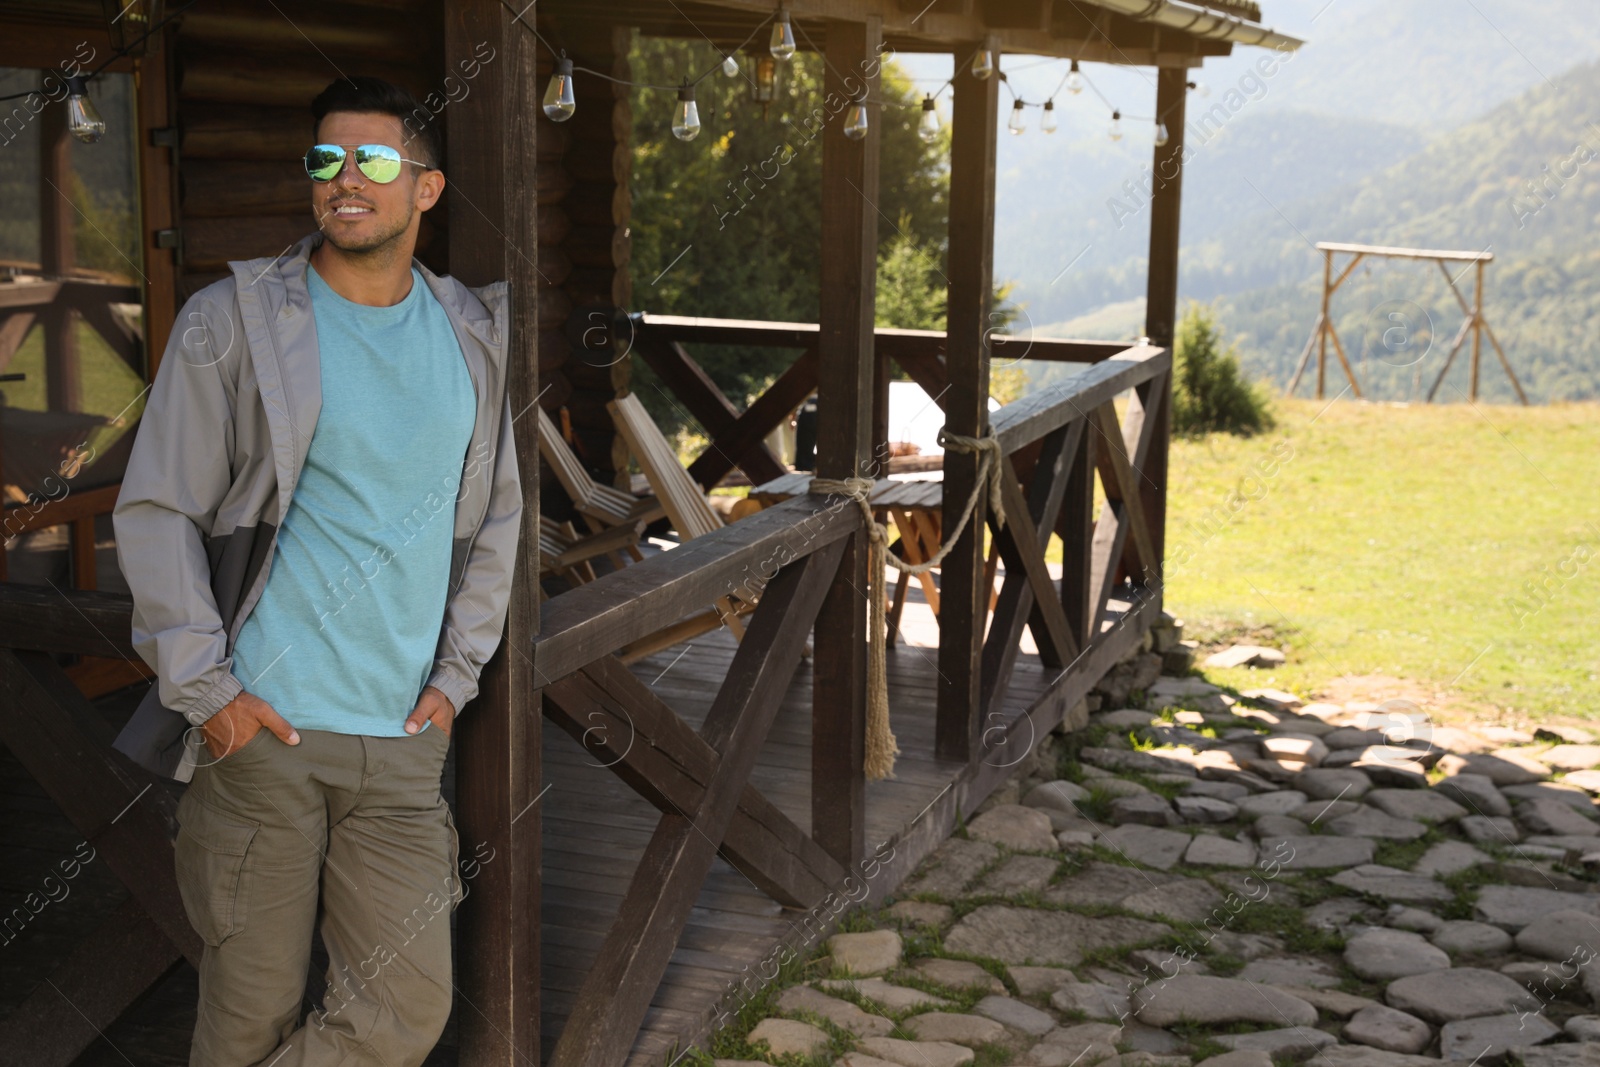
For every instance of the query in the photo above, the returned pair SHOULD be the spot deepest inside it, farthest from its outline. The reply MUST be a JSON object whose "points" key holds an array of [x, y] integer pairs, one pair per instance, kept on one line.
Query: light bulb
{"points": [[686, 116], [855, 119], [782, 37], [982, 63], [1048, 123], [730, 66], [1200, 89], [1115, 129], [1161, 134], [1015, 122], [1074, 80], [928, 125], [559, 103], [83, 118]]}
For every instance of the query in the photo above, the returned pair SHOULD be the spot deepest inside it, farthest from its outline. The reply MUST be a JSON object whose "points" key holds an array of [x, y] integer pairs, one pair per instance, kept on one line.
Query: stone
{"points": [[889, 997], [1571, 757], [1562, 843], [840, 1013], [1071, 839], [1209, 850], [1279, 803], [1491, 1037], [1083, 1044], [1455, 739], [1338, 1004], [1162, 760], [1014, 1013], [1426, 805], [1403, 918], [1514, 906], [1299, 724], [1147, 809], [1093, 1000], [1208, 1000], [1302, 749], [1579, 1055], [1319, 853], [1383, 955], [1039, 981], [920, 913], [1448, 857], [1458, 993], [1545, 816], [1490, 830], [958, 974], [873, 952], [1571, 735], [1345, 737], [1103, 883], [1205, 809], [1561, 935], [1387, 769], [1338, 913], [745, 1063], [1369, 822], [1311, 974], [1015, 827], [1383, 1027], [789, 1037], [1332, 783], [1246, 656], [1466, 938], [1584, 1027], [1588, 781], [1245, 946], [951, 867], [859, 1059], [1150, 1039], [1272, 826], [1229, 791], [1187, 901], [956, 1028], [1294, 1043], [1502, 768], [1148, 845], [1321, 812], [1118, 787], [1388, 883], [1245, 1057], [1476, 792], [1022, 935], [1179, 688], [1124, 719], [1018, 874], [1274, 699], [918, 1053], [1056, 796], [1363, 1056]]}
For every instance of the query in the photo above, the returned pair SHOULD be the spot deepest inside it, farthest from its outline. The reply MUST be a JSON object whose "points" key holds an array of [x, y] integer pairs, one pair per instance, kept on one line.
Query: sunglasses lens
{"points": [[378, 162], [324, 161]]}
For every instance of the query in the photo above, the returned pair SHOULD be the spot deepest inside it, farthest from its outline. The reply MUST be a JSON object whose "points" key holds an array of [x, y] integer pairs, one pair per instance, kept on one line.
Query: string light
{"points": [[559, 101], [83, 118], [1014, 124], [928, 126], [1074, 82], [1115, 129], [1161, 136], [855, 120], [686, 116], [982, 64], [730, 66], [782, 47], [1048, 123]]}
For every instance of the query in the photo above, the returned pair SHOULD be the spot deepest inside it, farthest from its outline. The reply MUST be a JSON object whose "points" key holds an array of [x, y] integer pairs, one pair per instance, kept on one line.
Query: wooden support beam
{"points": [[1161, 302], [63, 376], [964, 601], [1076, 525], [158, 199], [742, 442], [845, 350], [493, 235], [693, 388], [616, 993]]}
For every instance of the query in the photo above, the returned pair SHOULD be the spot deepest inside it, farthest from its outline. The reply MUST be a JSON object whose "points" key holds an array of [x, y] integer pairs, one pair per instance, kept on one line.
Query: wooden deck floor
{"points": [[594, 831]]}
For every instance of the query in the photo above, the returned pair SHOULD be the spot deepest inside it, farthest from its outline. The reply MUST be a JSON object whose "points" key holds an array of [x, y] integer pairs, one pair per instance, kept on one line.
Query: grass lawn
{"points": [[1454, 549]]}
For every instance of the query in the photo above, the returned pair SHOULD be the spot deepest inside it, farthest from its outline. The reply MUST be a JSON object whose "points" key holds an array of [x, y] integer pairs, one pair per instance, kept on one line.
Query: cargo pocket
{"points": [[457, 888], [210, 853]]}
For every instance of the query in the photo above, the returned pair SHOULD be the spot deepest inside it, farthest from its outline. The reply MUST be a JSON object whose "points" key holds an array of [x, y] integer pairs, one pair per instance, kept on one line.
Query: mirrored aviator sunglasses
{"points": [[378, 162]]}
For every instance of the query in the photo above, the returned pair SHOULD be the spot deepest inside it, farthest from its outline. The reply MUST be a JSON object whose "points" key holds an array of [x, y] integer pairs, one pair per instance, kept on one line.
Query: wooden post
{"points": [[158, 189], [963, 603], [1322, 323], [1477, 329], [844, 423], [491, 166], [57, 256], [1161, 300]]}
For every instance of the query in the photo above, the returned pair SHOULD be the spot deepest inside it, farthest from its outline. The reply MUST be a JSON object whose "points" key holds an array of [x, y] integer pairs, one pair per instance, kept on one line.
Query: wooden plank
{"points": [[1076, 528], [712, 409], [631, 731], [1043, 410], [1404, 253], [1119, 479], [750, 429], [493, 160], [963, 600], [40, 619], [158, 200], [846, 370], [617, 991], [618, 608]]}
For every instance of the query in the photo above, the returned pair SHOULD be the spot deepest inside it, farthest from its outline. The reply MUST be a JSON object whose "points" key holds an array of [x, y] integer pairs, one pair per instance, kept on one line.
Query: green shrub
{"points": [[1208, 393]]}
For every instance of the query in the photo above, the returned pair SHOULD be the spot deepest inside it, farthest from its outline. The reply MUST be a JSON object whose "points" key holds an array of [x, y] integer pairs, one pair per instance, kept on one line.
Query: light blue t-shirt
{"points": [[344, 635]]}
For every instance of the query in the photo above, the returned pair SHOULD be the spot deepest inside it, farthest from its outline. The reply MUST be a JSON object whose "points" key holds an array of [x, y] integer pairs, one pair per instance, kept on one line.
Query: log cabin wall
{"points": [[584, 207], [244, 77]]}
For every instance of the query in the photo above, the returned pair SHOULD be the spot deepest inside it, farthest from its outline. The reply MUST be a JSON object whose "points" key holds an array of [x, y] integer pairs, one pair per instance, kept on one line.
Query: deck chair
{"points": [[601, 506], [571, 555], [688, 511]]}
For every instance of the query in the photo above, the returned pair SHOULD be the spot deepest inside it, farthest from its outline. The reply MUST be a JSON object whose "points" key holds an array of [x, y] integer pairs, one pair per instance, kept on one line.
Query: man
{"points": [[318, 524]]}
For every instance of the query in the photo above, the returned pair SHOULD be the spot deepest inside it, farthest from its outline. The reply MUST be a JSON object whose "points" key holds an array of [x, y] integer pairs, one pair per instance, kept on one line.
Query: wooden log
{"points": [[244, 132], [217, 189], [289, 26], [209, 244]]}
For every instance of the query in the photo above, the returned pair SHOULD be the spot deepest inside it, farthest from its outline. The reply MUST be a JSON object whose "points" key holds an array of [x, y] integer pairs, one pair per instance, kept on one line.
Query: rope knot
{"points": [[991, 466]]}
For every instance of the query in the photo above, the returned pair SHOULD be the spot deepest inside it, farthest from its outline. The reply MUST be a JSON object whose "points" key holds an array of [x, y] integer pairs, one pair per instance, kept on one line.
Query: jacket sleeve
{"points": [[475, 617], [178, 474]]}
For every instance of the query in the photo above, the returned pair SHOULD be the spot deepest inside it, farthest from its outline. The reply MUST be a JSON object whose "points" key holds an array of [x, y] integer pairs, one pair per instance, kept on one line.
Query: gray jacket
{"points": [[219, 452]]}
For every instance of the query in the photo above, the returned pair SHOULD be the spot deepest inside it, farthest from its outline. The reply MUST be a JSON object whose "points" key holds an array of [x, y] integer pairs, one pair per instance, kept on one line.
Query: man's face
{"points": [[357, 214]]}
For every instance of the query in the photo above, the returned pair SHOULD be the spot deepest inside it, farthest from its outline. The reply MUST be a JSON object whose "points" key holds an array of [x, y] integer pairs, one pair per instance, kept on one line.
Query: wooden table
{"points": [[917, 507]]}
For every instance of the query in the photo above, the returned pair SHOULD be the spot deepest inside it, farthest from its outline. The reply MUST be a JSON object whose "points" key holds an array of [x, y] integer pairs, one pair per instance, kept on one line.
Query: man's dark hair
{"points": [[374, 95]]}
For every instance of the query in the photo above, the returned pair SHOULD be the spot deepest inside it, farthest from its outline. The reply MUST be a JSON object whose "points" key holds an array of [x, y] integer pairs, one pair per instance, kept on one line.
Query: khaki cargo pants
{"points": [[358, 824]]}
